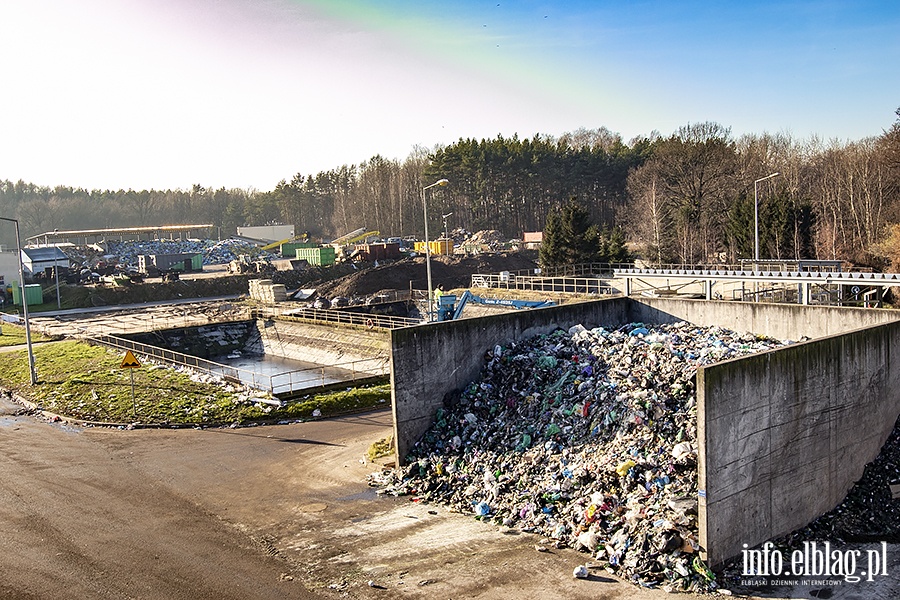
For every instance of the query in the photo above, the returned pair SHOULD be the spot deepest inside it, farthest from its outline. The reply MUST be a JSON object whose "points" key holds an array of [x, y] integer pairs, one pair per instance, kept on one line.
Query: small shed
{"points": [[38, 260]]}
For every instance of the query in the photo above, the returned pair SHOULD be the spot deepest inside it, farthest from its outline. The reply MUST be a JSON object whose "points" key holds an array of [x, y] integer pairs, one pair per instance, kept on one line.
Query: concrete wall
{"points": [[430, 361], [784, 435], [9, 268], [207, 341], [782, 321], [323, 343]]}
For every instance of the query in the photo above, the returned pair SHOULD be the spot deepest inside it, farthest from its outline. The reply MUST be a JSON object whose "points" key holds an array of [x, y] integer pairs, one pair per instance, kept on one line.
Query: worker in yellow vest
{"points": [[437, 295]]}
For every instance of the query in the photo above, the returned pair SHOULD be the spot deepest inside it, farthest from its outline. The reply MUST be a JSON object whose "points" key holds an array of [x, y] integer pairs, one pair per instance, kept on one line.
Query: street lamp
{"points": [[440, 182], [756, 214], [31, 369], [444, 217]]}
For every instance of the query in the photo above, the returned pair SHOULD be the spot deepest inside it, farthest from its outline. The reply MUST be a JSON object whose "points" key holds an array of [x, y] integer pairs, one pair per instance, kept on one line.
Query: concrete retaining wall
{"points": [[207, 341], [323, 343], [783, 435], [782, 321]]}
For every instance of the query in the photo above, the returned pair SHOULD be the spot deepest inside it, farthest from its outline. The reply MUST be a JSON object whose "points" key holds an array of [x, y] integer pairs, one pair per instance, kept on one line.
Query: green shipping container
{"points": [[34, 294], [289, 249], [317, 256]]}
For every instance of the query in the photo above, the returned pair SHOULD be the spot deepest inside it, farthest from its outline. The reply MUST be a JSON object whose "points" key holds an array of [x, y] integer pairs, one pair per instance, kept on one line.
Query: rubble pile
{"points": [[486, 240], [449, 271], [586, 437], [486, 236]]}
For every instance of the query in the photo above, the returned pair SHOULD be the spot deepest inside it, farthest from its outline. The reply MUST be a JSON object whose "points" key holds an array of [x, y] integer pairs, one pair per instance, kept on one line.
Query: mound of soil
{"points": [[451, 271]]}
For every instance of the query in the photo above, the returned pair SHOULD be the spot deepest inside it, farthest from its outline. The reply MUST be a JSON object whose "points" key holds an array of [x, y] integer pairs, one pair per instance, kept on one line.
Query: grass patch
{"points": [[82, 381], [14, 335], [335, 403]]}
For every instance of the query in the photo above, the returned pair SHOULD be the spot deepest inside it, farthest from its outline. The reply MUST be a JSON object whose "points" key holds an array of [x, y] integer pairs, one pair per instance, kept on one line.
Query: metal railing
{"points": [[354, 370], [580, 270], [277, 383], [325, 315], [540, 283]]}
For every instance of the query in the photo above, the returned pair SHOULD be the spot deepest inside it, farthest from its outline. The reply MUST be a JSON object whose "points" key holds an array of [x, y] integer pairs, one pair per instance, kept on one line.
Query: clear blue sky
{"points": [[244, 93]]}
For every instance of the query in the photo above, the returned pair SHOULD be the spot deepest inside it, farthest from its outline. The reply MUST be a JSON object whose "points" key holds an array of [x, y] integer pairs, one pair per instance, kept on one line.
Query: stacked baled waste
{"points": [[585, 437]]}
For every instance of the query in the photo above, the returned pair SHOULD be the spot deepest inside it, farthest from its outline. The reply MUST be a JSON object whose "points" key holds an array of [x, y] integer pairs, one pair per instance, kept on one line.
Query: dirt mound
{"points": [[451, 271]]}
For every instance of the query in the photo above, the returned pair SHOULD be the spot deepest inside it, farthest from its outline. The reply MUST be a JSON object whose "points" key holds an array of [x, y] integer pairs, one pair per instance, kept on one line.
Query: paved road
{"points": [[78, 520]]}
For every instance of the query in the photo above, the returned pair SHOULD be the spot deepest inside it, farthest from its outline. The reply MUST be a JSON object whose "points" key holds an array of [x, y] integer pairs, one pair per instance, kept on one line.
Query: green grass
{"points": [[14, 335], [335, 403], [82, 381]]}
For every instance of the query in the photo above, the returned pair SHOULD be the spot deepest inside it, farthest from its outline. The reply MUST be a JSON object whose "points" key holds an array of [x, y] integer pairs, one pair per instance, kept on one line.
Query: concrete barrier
{"points": [[322, 343], [783, 435], [782, 321], [354, 348]]}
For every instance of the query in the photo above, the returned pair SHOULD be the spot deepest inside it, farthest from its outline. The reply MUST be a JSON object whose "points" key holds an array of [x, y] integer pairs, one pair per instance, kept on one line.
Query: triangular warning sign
{"points": [[130, 362]]}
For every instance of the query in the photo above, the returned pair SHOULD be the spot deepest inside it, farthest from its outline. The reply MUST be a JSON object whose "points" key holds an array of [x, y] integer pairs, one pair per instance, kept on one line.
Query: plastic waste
{"points": [[587, 437]]}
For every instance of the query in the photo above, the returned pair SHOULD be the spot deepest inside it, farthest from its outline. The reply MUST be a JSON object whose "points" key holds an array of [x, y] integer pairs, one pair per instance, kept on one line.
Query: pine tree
{"points": [[571, 238], [551, 252]]}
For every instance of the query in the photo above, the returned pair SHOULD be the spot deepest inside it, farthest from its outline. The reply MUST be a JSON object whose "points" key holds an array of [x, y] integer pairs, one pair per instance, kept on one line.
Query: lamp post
{"points": [[444, 217], [440, 182], [756, 214], [31, 369]]}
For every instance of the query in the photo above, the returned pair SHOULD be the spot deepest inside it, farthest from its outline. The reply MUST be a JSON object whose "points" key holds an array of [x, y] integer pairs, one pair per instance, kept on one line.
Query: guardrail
{"points": [[278, 383], [606, 269]]}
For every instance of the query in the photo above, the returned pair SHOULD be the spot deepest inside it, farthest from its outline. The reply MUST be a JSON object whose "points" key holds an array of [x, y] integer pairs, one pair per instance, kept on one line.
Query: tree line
{"points": [[685, 198]]}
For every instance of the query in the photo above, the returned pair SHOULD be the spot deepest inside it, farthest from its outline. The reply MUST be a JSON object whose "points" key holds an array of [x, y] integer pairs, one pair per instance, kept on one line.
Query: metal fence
{"points": [[572, 285], [324, 315]]}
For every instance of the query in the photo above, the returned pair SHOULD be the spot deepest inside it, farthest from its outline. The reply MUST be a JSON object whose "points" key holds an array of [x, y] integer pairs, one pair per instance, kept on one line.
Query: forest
{"points": [[687, 198]]}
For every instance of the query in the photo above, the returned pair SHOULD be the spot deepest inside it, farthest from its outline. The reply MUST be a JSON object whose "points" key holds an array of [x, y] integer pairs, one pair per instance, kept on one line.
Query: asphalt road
{"points": [[80, 520]]}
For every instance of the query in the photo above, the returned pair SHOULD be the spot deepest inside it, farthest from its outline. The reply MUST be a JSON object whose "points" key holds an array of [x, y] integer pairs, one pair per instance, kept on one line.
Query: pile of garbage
{"points": [[871, 510], [585, 437], [125, 253]]}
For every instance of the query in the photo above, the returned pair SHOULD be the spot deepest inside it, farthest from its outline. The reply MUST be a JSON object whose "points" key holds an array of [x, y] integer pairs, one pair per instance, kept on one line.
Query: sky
{"points": [[165, 94]]}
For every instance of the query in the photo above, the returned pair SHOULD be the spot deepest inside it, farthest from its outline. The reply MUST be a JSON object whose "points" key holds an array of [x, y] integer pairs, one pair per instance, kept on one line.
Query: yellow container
{"points": [[436, 246]]}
